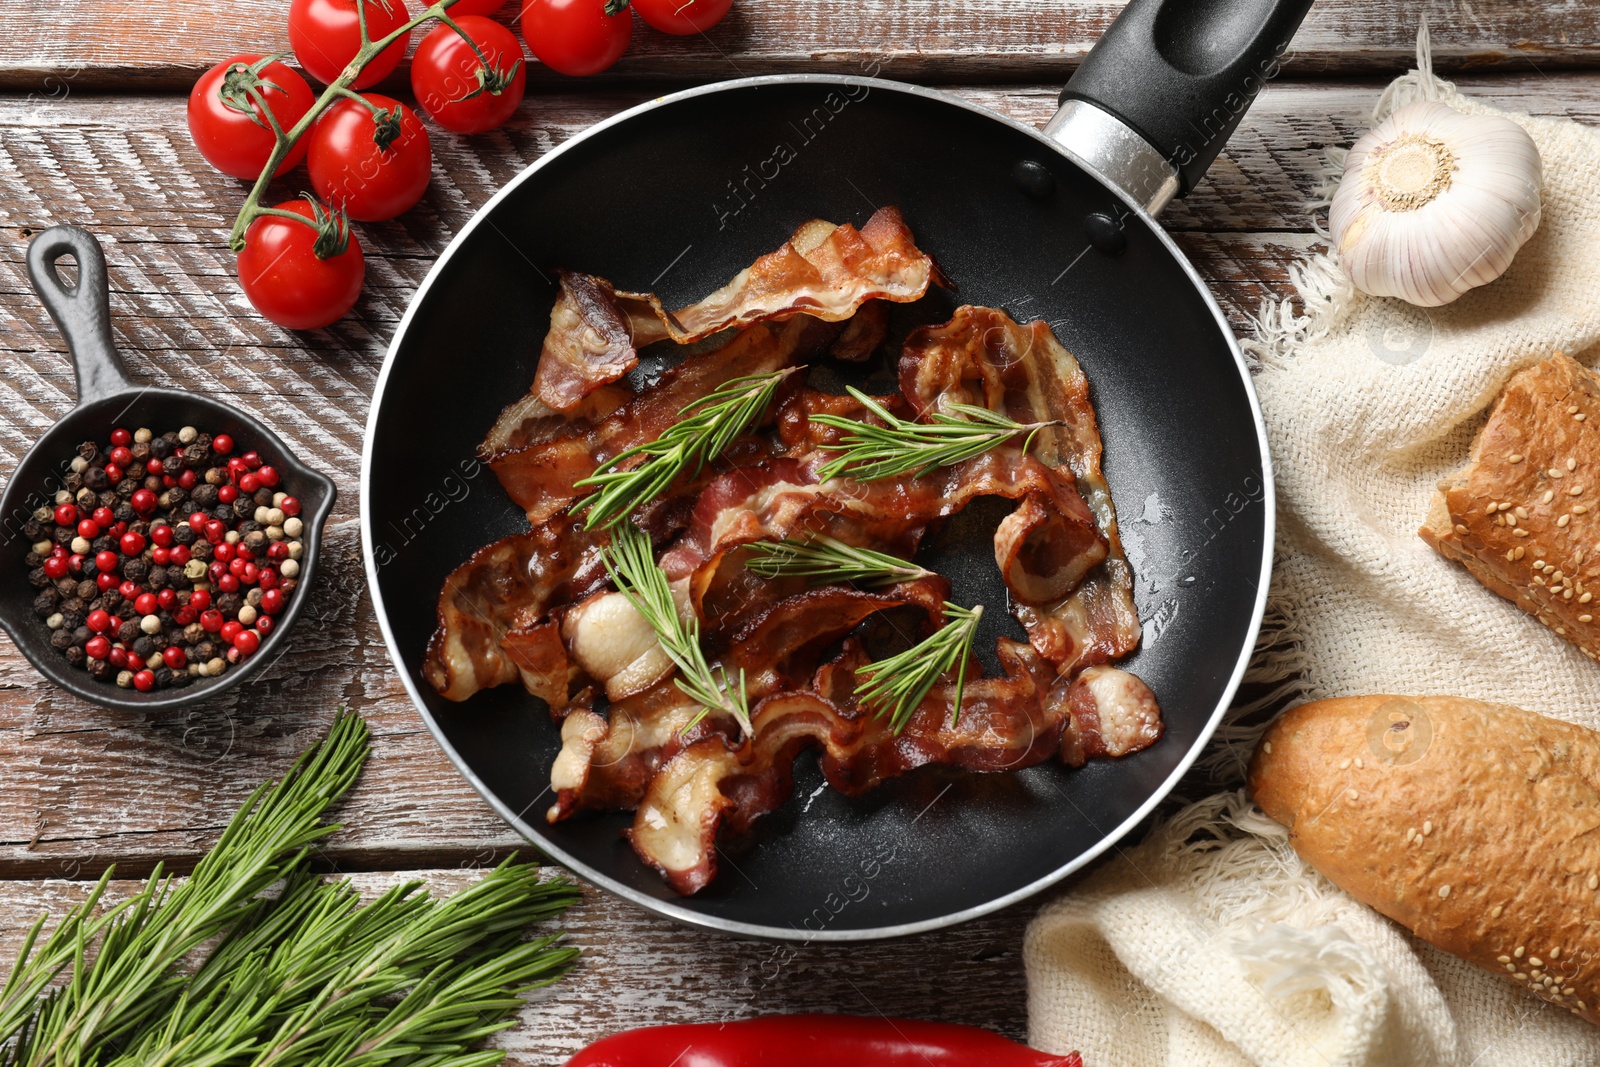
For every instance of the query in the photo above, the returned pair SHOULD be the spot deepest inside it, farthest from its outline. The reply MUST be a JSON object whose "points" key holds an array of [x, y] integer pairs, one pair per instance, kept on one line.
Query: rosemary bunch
{"points": [[899, 446], [309, 978], [826, 559], [704, 430], [897, 686], [631, 564]]}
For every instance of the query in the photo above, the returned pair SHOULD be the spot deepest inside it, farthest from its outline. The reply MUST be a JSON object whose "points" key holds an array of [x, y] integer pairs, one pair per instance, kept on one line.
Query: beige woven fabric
{"points": [[1230, 951]]}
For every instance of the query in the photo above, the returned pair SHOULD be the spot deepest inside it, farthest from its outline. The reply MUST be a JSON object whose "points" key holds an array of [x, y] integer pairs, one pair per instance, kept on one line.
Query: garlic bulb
{"points": [[1435, 202]]}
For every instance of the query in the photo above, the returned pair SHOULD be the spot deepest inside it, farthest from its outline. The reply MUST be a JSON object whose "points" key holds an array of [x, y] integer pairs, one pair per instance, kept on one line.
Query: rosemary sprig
{"points": [[826, 559], [631, 564], [897, 686], [870, 452], [706, 428]]}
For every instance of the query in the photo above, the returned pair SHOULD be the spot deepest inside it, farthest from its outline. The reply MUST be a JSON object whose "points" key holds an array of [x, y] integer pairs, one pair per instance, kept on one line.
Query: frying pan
{"points": [[107, 399], [676, 196]]}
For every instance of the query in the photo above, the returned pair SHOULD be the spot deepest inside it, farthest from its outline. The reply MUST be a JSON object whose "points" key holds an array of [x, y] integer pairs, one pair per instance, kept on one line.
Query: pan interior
{"points": [[679, 198]]}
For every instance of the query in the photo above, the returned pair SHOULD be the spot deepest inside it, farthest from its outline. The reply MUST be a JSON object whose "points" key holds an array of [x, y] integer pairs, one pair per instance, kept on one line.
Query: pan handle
{"points": [[82, 312], [1157, 97]]}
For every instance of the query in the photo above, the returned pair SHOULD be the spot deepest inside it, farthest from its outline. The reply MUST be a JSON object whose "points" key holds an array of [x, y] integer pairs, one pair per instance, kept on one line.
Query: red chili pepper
{"points": [[814, 1041]]}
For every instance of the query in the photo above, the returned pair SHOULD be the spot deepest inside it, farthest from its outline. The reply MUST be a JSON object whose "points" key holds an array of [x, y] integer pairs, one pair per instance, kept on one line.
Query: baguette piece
{"points": [[1476, 826], [1524, 514]]}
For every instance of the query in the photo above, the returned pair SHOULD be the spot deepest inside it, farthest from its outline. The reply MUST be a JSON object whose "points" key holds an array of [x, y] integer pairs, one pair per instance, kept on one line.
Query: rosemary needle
{"points": [[898, 685], [899, 446], [825, 559], [631, 564], [704, 430]]}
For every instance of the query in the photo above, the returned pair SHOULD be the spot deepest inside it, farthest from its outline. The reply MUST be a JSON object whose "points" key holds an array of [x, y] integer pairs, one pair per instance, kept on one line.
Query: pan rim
{"points": [[671, 909]]}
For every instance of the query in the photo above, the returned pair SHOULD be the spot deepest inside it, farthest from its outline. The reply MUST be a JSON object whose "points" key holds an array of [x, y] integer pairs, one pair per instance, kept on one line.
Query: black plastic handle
{"points": [[1182, 73], [82, 312]]}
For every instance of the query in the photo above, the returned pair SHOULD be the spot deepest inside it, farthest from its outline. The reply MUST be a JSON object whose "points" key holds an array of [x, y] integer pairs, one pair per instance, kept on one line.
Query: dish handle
{"points": [[82, 312], [1159, 95]]}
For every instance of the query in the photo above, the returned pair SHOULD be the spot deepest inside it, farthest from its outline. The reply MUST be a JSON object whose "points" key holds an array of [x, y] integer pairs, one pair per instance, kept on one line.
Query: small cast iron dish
{"points": [[107, 398]]}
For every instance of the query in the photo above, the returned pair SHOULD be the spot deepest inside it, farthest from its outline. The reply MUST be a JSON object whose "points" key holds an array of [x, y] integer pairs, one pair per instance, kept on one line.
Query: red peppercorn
{"points": [[132, 543], [248, 483], [264, 625], [180, 554], [231, 629], [197, 521], [250, 574], [268, 475], [269, 578], [161, 535], [153, 467], [228, 583], [272, 601], [105, 561], [105, 580], [161, 556], [143, 501], [223, 552], [184, 616], [66, 514], [119, 529], [128, 590], [216, 569], [103, 517], [237, 466], [113, 473], [97, 647], [168, 481], [241, 551], [174, 657], [222, 444], [88, 528], [277, 551], [252, 459], [119, 436], [55, 567], [200, 599], [121, 456], [118, 658], [98, 621], [290, 506], [236, 567], [211, 621], [187, 479], [246, 641], [214, 530], [145, 604], [227, 494], [144, 681], [168, 599], [75, 562]]}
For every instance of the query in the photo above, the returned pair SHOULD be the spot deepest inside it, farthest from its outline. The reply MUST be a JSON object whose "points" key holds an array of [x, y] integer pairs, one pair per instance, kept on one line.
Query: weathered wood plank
{"points": [[639, 970], [84, 787], [55, 50]]}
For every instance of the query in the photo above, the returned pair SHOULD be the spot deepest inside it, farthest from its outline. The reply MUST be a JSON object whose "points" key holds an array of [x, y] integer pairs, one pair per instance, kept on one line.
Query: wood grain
{"points": [[55, 50], [639, 970], [84, 787]]}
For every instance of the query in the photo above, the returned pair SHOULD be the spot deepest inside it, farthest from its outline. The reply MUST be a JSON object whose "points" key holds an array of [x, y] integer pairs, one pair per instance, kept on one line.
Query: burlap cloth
{"points": [[1210, 942]]}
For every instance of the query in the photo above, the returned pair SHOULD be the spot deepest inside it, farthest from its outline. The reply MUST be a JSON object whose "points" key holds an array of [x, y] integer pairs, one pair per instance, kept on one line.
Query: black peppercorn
{"points": [[73, 612], [163, 675], [87, 449], [157, 578], [105, 543], [229, 604], [135, 569], [205, 650], [196, 454], [255, 541], [95, 478], [38, 578], [176, 496], [80, 634], [87, 591], [66, 586], [32, 560], [181, 679], [172, 465], [153, 482], [216, 476], [161, 448], [204, 495], [128, 633], [61, 640], [223, 512], [143, 647], [73, 481], [140, 450], [33, 530], [124, 512], [63, 535], [44, 605], [101, 669], [107, 499], [201, 550], [126, 488], [261, 499], [76, 656], [184, 535]]}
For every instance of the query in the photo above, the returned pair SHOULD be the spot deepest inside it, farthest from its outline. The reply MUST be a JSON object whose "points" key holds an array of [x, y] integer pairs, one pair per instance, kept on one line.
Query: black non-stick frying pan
{"points": [[676, 196]]}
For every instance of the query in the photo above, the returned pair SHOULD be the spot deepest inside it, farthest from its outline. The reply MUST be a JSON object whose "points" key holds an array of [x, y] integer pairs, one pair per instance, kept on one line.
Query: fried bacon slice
{"points": [[984, 357], [824, 271]]}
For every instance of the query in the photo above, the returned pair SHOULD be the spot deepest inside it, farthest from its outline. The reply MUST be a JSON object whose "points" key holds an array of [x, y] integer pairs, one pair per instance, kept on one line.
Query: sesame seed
{"points": [[1563, 520], [1344, 765], [1580, 416], [1518, 952], [1427, 826], [1535, 961], [1359, 764], [1492, 508], [1572, 464], [1549, 495], [1522, 513], [1562, 630], [1568, 991], [1411, 831], [1494, 912], [1504, 959], [1519, 976], [1352, 794], [1585, 598], [1444, 891], [1511, 554], [1511, 966], [1556, 472], [1572, 409], [1594, 881], [1580, 509], [1556, 574], [1566, 594], [1266, 746], [1555, 953], [1521, 551], [1586, 618], [1515, 457], [1519, 532], [1576, 490]]}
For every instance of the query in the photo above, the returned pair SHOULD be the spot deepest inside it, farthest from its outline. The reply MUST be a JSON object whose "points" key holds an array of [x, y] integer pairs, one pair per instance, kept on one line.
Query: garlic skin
{"points": [[1434, 202]]}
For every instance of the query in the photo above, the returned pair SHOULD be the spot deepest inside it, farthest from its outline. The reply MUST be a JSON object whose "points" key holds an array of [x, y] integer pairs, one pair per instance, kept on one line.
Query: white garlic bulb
{"points": [[1434, 202]]}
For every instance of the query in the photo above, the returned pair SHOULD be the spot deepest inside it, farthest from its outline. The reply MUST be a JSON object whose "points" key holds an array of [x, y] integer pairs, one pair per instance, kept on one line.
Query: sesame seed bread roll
{"points": [[1473, 825], [1524, 514]]}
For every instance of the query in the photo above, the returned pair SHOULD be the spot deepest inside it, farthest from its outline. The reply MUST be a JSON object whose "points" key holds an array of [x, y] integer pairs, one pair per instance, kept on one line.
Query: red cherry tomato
{"points": [[326, 34], [575, 37], [281, 274], [475, 7], [349, 169], [455, 89], [682, 17], [227, 123]]}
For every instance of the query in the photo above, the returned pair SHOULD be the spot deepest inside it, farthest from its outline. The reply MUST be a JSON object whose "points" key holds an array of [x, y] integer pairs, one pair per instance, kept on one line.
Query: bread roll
{"points": [[1524, 514], [1476, 826]]}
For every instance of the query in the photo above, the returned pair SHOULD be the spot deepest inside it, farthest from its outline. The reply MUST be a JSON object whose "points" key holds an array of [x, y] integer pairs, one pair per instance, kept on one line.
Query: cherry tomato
{"points": [[284, 279], [682, 17], [326, 34], [349, 169], [229, 127], [455, 89], [475, 7], [575, 37]]}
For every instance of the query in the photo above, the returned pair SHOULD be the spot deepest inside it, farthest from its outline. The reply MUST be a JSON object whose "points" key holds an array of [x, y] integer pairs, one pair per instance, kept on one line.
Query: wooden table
{"points": [[92, 132]]}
